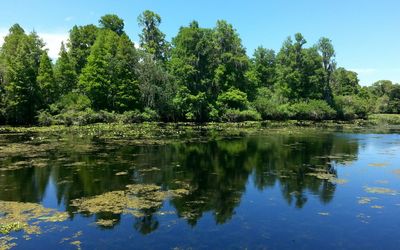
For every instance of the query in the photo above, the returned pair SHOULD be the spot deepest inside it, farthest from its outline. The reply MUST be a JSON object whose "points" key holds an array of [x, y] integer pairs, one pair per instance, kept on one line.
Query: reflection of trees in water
{"points": [[216, 171]]}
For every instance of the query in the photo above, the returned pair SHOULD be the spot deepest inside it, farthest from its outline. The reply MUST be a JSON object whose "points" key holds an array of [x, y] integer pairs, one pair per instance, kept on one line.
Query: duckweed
{"points": [[380, 190], [133, 200]]}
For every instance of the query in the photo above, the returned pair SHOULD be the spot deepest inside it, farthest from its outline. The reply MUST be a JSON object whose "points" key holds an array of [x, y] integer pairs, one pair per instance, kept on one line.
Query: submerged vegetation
{"points": [[201, 75]]}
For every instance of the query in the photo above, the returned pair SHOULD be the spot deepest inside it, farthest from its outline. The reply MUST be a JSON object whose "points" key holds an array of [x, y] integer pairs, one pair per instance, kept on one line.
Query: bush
{"points": [[351, 107], [136, 116], [235, 115], [233, 99], [315, 110], [71, 102], [271, 106]]}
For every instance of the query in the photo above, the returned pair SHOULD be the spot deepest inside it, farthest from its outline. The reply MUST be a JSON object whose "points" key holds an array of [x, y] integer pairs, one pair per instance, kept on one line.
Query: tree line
{"points": [[203, 74]]}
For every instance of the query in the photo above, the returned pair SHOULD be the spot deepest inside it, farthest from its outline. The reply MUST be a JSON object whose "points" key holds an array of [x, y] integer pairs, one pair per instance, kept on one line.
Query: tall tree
{"points": [[81, 39], [327, 52], [152, 40], [192, 65], [231, 58], [345, 82], [22, 93], [112, 22], [45, 80], [300, 73], [109, 78], [64, 72]]}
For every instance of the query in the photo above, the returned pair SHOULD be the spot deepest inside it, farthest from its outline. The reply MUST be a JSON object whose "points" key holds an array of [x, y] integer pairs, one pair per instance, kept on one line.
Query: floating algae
{"points": [[380, 190], [365, 200], [323, 213], [384, 164], [76, 243], [106, 223], [133, 200], [377, 207], [17, 216], [5, 242], [328, 176]]}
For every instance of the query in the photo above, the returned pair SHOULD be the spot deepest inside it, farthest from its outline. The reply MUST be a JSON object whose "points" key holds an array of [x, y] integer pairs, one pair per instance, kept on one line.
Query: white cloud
{"points": [[52, 40]]}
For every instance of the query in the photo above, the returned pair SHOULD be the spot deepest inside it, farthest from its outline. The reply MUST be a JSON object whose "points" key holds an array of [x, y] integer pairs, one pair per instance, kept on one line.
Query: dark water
{"points": [[258, 192]]}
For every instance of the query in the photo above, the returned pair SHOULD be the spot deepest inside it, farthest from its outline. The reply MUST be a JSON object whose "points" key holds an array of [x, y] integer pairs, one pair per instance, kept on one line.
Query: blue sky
{"points": [[365, 33]]}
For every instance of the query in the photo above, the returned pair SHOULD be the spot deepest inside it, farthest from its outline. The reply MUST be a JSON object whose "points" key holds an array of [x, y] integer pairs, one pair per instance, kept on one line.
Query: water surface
{"points": [[312, 189]]}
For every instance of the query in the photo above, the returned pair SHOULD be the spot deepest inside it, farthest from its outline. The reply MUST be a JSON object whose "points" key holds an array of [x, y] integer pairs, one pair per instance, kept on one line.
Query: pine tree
{"points": [[64, 72], [22, 93], [46, 81]]}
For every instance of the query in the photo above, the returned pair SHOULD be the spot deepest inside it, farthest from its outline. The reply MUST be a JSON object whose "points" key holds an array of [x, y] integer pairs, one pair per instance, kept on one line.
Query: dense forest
{"points": [[203, 74]]}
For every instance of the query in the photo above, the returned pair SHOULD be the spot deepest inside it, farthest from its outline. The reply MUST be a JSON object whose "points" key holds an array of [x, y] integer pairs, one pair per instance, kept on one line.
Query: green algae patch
{"points": [[380, 190], [77, 244], [6, 242], [106, 223], [377, 207], [328, 177], [134, 200], [383, 164], [365, 200], [18, 216]]}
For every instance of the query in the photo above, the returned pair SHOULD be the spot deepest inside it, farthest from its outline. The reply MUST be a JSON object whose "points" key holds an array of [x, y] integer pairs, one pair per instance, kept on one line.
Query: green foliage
{"points": [[64, 73], [262, 72], [70, 102], [203, 75], [345, 82], [236, 115], [109, 78], [113, 23], [22, 94], [315, 110], [156, 87], [232, 99], [300, 72], [351, 107], [46, 81], [152, 40], [81, 39], [271, 105]]}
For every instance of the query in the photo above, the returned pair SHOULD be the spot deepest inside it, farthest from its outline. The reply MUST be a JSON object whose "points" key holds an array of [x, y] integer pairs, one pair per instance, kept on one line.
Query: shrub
{"points": [[312, 110], [235, 115], [233, 99], [136, 116], [351, 107], [271, 105]]}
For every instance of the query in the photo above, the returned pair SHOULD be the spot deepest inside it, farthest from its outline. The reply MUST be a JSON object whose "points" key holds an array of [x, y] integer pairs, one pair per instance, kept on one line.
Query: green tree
{"points": [[230, 57], [109, 78], [112, 22], [327, 52], [64, 72], [81, 39], [45, 80], [345, 82], [22, 93], [192, 65], [300, 73], [156, 88], [152, 40]]}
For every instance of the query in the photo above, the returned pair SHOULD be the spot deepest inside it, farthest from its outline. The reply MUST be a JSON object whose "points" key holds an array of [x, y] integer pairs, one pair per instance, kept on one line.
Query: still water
{"points": [[313, 189]]}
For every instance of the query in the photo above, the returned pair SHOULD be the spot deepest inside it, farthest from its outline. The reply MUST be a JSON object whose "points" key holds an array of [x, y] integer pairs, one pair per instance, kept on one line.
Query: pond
{"points": [[296, 188]]}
